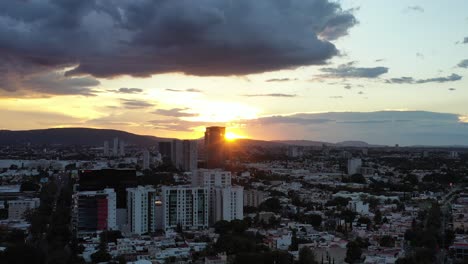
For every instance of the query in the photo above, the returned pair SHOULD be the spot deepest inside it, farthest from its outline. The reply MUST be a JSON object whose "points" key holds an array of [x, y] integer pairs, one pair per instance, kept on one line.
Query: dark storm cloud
{"points": [[463, 64], [349, 71], [410, 80], [190, 90], [452, 89], [45, 84], [135, 104], [174, 112], [270, 95], [465, 40], [128, 90], [125, 37]]}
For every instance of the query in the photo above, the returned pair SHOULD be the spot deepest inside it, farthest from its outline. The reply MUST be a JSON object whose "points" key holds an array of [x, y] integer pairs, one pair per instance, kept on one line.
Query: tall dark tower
{"points": [[214, 147]]}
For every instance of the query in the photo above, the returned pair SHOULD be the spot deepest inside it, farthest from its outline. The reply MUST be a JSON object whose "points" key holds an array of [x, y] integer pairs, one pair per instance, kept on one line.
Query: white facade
{"points": [[185, 207], [17, 208], [106, 148], [229, 203], [226, 201], [141, 211], [211, 178], [354, 166]]}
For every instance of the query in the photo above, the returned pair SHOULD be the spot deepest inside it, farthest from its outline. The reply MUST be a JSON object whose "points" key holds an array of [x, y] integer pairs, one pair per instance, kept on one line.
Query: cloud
{"points": [[44, 84], [135, 104], [280, 80], [128, 90], [465, 40], [410, 80], [190, 90], [270, 95], [383, 127], [415, 8], [336, 97], [175, 112], [452, 89], [141, 38], [349, 71], [463, 64]]}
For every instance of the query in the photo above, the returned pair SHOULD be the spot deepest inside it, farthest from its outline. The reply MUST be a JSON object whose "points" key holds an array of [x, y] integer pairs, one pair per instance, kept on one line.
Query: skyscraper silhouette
{"points": [[215, 147]]}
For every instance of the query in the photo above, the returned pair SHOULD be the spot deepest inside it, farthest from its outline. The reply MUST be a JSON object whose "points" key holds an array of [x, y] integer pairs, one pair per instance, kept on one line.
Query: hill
{"points": [[73, 136]]}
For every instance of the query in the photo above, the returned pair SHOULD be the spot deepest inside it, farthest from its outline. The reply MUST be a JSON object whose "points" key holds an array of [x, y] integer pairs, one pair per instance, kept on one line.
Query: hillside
{"points": [[73, 136]]}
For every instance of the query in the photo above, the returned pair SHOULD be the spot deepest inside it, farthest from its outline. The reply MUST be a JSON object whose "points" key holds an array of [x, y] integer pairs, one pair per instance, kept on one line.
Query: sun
{"points": [[230, 136]]}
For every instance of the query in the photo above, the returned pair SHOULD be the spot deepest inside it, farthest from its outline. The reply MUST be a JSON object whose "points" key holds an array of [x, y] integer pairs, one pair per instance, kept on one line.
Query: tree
{"points": [[271, 205], [353, 252], [306, 256], [357, 178]]}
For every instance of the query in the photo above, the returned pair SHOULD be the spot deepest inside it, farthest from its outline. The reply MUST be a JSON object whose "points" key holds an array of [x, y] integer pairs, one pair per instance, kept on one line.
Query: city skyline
{"points": [[380, 72]]}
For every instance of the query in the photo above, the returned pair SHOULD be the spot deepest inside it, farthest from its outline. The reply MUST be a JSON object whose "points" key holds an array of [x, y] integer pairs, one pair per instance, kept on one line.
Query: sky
{"points": [[384, 72]]}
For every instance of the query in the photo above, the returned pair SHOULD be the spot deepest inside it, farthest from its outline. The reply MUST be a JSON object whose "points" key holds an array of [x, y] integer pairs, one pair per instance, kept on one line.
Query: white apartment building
{"points": [[229, 203], [17, 208], [184, 206], [141, 209], [226, 202]]}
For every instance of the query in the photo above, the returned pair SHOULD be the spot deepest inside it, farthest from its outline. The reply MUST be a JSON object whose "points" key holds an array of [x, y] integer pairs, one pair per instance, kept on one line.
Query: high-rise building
{"points": [[185, 207], [106, 148], [225, 201], [122, 148], [215, 147], [115, 147], [229, 203], [190, 155], [354, 166], [177, 153], [165, 148], [146, 159], [94, 211], [141, 209]]}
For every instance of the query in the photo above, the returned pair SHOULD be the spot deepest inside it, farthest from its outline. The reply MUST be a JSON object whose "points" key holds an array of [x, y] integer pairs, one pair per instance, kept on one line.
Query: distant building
{"points": [[106, 148], [190, 155], [215, 147], [115, 148], [146, 159], [165, 148], [141, 209], [253, 197], [354, 166], [121, 148], [17, 208], [94, 211], [453, 155], [185, 207], [177, 153]]}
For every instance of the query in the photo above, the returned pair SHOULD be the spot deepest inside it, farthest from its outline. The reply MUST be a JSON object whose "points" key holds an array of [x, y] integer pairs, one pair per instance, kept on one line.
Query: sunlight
{"points": [[231, 136]]}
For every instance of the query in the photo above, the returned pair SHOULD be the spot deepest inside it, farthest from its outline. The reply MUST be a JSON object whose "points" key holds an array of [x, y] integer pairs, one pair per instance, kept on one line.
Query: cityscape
{"points": [[233, 132], [218, 200]]}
